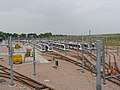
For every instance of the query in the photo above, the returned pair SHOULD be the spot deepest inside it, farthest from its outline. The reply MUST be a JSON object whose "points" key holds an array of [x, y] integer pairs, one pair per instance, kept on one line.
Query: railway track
{"points": [[115, 62], [34, 85], [62, 57], [106, 64], [87, 64], [89, 67]]}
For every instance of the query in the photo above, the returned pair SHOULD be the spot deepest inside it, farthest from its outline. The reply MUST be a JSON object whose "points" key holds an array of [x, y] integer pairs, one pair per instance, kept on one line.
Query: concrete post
{"points": [[82, 55], [34, 63], [89, 34], [90, 50], [65, 46], [77, 50], [103, 61], [11, 63], [106, 49], [9, 50], [90, 45], [98, 85]]}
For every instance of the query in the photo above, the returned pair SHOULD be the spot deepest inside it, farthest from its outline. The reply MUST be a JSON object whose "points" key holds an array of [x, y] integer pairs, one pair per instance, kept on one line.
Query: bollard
{"points": [[55, 63]]}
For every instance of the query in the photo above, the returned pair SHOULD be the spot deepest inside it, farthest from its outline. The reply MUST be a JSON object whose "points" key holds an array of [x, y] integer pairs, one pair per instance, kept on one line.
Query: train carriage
{"points": [[61, 46], [74, 45], [45, 47]]}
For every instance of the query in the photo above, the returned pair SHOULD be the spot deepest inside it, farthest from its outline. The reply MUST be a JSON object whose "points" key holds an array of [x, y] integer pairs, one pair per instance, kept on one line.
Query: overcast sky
{"points": [[60, 16]]}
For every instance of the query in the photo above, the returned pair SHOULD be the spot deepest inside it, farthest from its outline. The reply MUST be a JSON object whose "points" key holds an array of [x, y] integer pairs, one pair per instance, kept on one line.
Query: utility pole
{"points": [[90, 43], [26, 38], [106, 48], [77, 49], [11, 63], [89, 34], [9, 50], [34, 63], [103, 61], [65, 45], [98, 85], [82, 55]]}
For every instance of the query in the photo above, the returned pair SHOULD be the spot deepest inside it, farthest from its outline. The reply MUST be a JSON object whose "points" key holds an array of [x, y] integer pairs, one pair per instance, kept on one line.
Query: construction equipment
{"points": [[28, 54], [17, 46], [17, 58]]}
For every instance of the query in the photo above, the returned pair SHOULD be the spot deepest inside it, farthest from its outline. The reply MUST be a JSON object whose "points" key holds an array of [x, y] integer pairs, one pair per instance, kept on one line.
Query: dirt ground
{"points": [[66, 77]]}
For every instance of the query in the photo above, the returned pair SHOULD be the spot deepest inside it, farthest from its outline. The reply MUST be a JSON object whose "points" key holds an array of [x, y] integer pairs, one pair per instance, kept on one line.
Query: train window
{"points": [[85, 45], [62, 46], [66, 46], [50, 47], [39, 46], [46, 48], [42, 47]]}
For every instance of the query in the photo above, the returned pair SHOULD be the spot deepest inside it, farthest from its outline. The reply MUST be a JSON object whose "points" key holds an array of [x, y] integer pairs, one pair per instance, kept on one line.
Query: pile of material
{"points": [[17, 46]]}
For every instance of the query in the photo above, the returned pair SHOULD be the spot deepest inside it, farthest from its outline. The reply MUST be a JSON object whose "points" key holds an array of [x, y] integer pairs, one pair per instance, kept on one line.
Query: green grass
{"points": [[113, 43], [113, 39]]}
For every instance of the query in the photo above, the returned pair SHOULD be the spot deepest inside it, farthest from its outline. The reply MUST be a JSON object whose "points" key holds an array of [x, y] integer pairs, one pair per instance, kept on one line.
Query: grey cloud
{"points": [[60, 16]]}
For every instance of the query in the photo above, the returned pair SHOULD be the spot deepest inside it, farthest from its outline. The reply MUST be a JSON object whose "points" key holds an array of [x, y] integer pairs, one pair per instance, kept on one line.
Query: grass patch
{"points": [[113, 43]]}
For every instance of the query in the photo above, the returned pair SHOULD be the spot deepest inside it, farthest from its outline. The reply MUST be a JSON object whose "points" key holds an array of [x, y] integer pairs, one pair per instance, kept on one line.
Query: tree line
{"points": [[5, 35], [49, 35]]}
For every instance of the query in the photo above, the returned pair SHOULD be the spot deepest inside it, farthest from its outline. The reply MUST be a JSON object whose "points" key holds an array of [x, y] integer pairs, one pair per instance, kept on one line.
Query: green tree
{"points": [[41, 35], [47, 34], [22, 36], [15, 35], [32, 35]]}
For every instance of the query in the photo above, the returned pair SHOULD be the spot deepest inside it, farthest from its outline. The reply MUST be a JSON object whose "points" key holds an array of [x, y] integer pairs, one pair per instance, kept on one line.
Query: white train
{"points": [[74, 45], [62, 46], [45, 47]]}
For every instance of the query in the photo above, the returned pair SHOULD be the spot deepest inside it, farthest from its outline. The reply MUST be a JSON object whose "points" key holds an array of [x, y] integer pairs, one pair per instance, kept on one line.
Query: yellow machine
{"points": [[28, 54], [17, 58], [17, 46]]}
